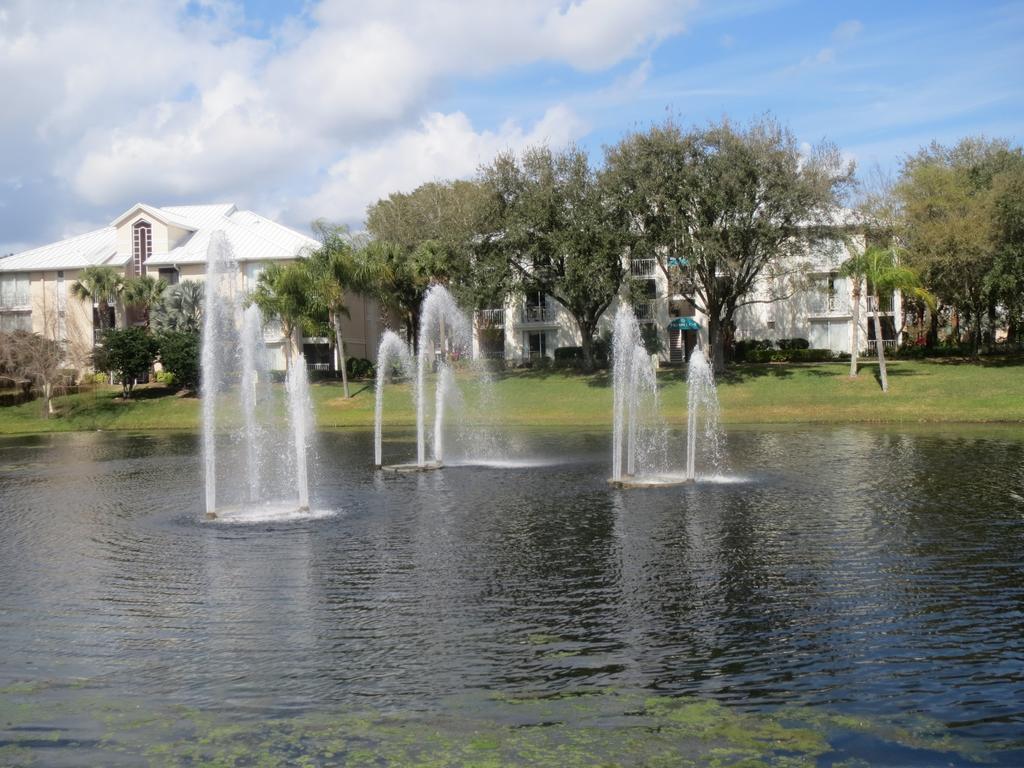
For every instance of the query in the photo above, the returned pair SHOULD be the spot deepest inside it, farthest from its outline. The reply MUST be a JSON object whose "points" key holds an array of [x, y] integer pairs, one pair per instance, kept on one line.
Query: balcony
{"points": [[828, 304], [490, 318], [643, 267], [539, 315], [645, 311], [889, 345], [884, 306]]}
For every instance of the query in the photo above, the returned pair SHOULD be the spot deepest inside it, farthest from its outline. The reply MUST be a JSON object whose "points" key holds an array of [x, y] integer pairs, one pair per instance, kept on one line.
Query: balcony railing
{"points": [[643, 267], [644, 311], [318, 366], [490, 318], [538, 314], [889, 345], [885, 305], [829, 304]]}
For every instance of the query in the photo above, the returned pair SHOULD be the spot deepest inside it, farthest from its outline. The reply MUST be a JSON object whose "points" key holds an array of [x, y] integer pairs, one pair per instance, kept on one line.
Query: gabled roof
{"points": [[92, 248], [160, 214], [252, 238]]}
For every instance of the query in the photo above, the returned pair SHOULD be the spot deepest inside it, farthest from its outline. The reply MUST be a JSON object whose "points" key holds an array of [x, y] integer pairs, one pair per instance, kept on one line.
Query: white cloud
{"points": [[147, 99], [442, 146], [847, 31]]}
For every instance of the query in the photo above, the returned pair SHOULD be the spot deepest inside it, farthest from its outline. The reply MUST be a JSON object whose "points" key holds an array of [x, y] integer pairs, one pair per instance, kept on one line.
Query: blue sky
{"points": [[316, 109]]}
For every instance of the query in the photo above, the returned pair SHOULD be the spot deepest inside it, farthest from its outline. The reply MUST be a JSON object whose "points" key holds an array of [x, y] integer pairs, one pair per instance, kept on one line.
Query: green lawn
{"points": [[920, 391]]}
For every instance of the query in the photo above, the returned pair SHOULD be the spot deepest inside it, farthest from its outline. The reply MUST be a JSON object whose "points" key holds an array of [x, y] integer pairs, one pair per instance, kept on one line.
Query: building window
{"points": [[14, 293], [142, 246], [169, 275], [537, 344], [15, 321]]}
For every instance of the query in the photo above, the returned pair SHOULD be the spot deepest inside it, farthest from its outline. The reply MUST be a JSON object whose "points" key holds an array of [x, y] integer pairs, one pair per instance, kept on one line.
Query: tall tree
{"points": [[884, 274], [722, 207], [283, 292], [102, 285], [1006, 279], [557, 233], [947, 196], [334, 270], [144, 292], [431, 235]]}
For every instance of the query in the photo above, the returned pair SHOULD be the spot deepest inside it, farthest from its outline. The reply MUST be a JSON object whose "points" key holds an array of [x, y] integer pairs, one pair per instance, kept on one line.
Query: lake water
{"points": [[837, 596]]}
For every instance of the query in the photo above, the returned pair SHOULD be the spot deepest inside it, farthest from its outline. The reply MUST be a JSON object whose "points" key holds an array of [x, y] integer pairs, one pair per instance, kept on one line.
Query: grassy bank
{"points": [[920, 391]]}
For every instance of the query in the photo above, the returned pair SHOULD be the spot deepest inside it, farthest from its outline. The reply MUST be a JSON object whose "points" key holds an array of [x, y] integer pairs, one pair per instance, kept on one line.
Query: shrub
{"points": [[128, 352], [179, 355], [793, 344], [359, 368], [743, 347]]}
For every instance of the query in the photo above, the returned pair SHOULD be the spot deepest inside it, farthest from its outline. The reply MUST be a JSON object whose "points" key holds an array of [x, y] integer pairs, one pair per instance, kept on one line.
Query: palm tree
{"points": [[284, 292], [180, 309], [145, 292], [102, 285], [883, 273], [334, 269], [853, 268]]}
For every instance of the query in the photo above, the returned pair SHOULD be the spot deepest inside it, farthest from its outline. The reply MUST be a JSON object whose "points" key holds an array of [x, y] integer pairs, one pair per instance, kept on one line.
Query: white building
{"points": [[170, 243], [817, 306]]}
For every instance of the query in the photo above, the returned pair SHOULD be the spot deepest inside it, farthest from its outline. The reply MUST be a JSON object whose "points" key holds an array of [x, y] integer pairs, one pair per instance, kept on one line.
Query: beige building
{"points": [[170, 243]]}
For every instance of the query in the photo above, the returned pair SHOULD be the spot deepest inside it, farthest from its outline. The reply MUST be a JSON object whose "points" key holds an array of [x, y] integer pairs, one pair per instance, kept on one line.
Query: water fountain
{"points": [[701, 412], [234, 370], [638, 431], [445, 335], [391, 354]]}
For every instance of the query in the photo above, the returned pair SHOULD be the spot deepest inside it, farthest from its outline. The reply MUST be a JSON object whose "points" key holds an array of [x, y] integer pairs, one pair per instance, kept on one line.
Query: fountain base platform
{"points": [[406, 468], [265, 513], [649, 482]]}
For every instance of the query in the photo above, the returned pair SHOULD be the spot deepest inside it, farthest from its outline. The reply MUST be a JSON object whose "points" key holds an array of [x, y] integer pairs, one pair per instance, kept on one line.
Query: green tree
{"points": [[951, 232], [436, 226], [722, 207], [145, 293], [284, 292], [102, 285], [557, 234], [883, 273], [1006, 278], [180, 355], [128, 352], [180, 309], [335, 271]]}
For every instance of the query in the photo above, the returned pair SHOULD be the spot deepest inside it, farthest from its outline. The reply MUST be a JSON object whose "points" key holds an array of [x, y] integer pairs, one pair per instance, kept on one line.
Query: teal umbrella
{"points": [[684, 324]]}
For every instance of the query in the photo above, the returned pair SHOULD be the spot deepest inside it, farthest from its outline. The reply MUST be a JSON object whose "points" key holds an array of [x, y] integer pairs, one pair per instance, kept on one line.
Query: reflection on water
{"points": [[861, 572]]}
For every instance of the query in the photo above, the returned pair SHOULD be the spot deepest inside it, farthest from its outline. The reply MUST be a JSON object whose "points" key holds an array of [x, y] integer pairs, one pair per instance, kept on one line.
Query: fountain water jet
{"points": [[444, 332], [638, 432], [234, 365], [701, 412], [391, 352], [300, 413]]}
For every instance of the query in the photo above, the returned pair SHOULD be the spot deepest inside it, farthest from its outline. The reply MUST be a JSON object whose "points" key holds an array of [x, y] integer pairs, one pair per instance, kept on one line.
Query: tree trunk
{"points": [[880, 347], [933, 330], [48, 395], [855, 341], [296, 340], [992, 322], [715, 347], [587, 343], [336, 322]]}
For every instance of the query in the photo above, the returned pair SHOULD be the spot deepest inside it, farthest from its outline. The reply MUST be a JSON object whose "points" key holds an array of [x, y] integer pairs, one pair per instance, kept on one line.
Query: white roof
{"points": [[92, 248], [252, 238]]}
